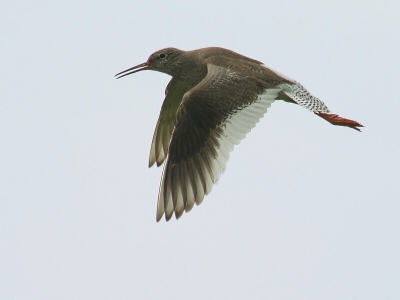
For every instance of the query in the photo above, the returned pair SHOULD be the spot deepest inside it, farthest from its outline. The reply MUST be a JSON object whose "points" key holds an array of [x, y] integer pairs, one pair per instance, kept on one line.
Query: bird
{"points": [[214, 98]]}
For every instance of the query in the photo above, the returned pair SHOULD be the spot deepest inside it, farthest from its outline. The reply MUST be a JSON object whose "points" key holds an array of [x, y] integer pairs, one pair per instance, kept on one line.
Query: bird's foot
{"points": [[337, 120]]}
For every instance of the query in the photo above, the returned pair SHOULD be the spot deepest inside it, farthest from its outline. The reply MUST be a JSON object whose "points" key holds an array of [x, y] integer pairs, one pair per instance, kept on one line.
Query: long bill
{"points": [[141, 67]]}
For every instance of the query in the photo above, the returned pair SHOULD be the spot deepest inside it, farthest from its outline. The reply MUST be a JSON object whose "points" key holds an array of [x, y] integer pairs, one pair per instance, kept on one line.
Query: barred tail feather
{"points": [[302, 97], [298, 94]]}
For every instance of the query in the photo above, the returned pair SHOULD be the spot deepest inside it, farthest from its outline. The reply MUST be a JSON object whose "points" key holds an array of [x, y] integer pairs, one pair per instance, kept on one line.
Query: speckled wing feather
{"points": [[213, 117], [166, 121]]}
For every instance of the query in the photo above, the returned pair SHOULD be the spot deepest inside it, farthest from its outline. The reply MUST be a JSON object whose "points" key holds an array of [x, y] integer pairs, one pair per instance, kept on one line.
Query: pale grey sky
{"points": [[305, 210]]}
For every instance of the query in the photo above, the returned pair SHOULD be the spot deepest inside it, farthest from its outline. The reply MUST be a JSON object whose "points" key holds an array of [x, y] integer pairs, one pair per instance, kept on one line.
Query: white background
{"points": [[305, 210]]}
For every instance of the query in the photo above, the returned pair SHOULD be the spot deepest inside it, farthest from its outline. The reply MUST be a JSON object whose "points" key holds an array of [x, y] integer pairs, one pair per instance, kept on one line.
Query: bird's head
{"points": [[164, 60]]}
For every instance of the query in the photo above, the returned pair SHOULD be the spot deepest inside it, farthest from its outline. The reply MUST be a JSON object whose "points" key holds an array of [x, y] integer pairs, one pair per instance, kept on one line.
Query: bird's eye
{"points": [[162, 55]]}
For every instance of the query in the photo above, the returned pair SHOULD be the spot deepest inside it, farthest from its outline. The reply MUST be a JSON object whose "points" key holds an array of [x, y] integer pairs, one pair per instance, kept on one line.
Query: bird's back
{"points": [[239, 64]]}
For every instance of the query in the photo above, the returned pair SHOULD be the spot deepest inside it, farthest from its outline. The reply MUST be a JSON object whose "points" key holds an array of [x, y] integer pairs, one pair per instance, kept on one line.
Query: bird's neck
{"points": [[189, 69]]}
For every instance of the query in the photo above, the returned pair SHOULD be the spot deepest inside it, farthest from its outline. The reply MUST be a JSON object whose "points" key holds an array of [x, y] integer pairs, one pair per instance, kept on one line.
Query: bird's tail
{"points": [[299, 95]]}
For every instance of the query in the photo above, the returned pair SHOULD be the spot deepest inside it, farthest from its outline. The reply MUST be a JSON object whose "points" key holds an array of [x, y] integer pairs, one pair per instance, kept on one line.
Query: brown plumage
{"points": [[213, 100]]}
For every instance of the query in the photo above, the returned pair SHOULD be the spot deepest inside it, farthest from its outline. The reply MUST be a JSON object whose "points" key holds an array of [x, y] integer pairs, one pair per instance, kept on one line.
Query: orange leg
{"points": [[337, 120]]}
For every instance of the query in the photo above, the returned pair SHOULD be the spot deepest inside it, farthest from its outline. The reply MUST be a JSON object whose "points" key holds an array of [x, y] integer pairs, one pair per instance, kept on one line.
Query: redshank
{"points": [[213, 100]]}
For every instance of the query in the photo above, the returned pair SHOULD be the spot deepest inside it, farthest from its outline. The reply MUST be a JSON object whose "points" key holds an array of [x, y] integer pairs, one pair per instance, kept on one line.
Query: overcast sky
{"points": [[304, 210]]}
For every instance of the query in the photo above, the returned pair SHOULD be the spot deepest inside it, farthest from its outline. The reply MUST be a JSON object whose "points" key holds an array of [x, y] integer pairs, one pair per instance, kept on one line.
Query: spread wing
{"points": [[166, 121], [213, 117]]}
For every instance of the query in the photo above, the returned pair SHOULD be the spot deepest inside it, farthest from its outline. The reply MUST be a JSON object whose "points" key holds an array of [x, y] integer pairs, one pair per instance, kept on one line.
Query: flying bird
{"points": [[213, 100]]}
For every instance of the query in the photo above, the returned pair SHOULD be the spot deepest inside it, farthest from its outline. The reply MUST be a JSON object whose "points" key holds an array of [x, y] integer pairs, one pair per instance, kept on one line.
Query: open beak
{"points": [[141, 67]]}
